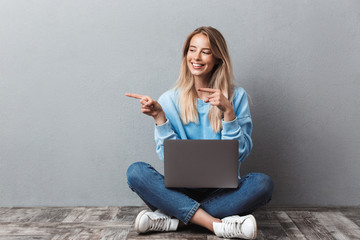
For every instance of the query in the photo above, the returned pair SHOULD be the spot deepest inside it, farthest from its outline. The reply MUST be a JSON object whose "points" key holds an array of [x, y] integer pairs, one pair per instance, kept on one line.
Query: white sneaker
{"points": [[147, 221], [236, 227]]}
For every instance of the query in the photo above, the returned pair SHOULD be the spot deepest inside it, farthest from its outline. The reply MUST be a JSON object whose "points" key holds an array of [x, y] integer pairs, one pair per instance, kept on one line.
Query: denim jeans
{"points": [[254, 190]]}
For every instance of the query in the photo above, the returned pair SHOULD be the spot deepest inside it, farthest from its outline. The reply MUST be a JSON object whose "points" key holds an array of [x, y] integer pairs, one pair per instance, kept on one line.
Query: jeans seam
{"points": [[191, 212]]}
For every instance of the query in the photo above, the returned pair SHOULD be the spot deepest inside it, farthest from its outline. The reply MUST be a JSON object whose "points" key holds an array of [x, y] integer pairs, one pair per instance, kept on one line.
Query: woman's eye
{"points": [[207, 53], [191, 50]]}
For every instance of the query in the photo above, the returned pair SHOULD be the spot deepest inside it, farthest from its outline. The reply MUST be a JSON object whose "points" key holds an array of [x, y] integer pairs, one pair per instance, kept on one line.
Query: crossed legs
{"points": [[254, 190]]}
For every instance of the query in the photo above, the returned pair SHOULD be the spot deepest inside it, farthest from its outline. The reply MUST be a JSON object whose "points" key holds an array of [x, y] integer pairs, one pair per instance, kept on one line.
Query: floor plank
{"points": [[339, 226], [127, 215], [288, 226], [20, 214], [353, 214], [309, 225], [51, 215], [269, 227], [9, 237], [60, 223], [4, 210], [27, 229], [115, 234], [74, 214]]}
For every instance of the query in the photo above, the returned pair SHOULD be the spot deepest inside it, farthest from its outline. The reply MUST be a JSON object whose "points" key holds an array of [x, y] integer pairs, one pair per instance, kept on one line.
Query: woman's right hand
{"points": [[150, 107]]}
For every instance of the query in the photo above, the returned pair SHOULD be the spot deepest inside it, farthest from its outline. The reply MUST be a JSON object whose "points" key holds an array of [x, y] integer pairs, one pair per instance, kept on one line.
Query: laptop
{"points": [[201, 163]]}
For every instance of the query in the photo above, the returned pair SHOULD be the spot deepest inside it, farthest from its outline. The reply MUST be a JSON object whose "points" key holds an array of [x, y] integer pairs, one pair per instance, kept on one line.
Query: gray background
{"points": [[68, 133]]}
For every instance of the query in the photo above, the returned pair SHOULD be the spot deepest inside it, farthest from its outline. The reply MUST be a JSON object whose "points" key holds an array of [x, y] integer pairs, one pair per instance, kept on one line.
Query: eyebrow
{"points": [[196, 47]]}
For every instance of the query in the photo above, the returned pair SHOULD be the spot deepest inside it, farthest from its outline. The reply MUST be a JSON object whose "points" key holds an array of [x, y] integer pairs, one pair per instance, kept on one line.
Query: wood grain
{"points": [[60, 223]]}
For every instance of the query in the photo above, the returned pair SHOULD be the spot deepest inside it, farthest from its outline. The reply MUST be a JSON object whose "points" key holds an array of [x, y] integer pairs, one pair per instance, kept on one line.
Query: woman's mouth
{"points": [[197, 65]]}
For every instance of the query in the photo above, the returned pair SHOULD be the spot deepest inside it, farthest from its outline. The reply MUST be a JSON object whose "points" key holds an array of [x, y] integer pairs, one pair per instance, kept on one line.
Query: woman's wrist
{"points": [[160, 118], [229, 115]]}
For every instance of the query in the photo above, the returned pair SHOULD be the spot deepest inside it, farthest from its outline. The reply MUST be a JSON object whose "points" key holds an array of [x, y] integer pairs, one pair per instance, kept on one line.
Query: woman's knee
{"points": [[263, 183], [135, 172]]}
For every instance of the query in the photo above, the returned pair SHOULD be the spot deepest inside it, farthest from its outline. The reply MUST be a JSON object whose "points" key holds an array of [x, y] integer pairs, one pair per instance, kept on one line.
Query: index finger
{"points": [[209, 90], [134, 95]]}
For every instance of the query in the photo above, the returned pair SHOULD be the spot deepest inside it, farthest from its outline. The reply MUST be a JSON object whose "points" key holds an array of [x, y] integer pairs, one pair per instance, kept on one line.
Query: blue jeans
{"points": [[254, 190]]}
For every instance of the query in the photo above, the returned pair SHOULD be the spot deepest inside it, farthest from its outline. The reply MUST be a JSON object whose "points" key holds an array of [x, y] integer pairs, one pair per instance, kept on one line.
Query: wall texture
{"points": [[68, 133]]}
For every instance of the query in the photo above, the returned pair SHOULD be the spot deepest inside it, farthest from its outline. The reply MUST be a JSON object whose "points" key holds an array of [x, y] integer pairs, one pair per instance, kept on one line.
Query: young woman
{"points": [[204, 104]]}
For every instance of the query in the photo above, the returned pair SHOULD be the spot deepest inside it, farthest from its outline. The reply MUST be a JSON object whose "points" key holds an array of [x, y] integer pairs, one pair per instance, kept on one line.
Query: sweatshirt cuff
{"points": [[164, 129], [230, 126]]}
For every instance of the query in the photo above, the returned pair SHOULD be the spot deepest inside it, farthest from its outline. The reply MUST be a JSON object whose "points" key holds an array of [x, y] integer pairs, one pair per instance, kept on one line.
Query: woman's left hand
{"points": [[216, 98]]}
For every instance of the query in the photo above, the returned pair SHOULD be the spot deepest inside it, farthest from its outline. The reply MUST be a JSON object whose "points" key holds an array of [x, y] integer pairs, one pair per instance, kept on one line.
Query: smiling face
{"points": [[200, 59]]}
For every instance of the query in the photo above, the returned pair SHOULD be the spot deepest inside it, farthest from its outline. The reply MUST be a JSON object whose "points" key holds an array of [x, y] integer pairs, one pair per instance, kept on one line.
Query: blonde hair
{"points": [[221, 78]]}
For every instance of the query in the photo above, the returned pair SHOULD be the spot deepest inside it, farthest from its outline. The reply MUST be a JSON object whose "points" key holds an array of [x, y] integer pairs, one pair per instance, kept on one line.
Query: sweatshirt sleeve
{"points": [[240, 128], [163, 132], [166, 130]]}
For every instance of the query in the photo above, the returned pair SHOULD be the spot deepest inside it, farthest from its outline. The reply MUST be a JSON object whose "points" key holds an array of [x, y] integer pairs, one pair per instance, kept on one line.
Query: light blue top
{"points": [[240, 128]]}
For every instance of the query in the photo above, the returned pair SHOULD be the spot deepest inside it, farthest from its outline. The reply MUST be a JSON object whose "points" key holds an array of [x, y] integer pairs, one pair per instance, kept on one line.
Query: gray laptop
{"points": [[201, 163]]}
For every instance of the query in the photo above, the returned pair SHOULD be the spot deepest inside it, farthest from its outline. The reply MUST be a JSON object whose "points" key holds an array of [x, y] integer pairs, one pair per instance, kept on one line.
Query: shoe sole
{"points": [[137, 220], [255, 224]]}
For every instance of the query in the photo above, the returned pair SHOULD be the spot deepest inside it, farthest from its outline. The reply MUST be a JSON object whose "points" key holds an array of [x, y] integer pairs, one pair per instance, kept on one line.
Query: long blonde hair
{"points": [[221, 78]]}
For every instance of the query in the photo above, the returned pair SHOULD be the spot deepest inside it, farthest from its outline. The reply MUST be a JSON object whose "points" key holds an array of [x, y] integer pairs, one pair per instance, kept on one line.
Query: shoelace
{"points": [[159, 223], [232, 229]]}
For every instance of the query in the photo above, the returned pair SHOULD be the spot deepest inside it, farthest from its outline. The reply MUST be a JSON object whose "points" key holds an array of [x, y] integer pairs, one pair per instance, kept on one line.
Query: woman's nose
{"points": [[197, 56]]}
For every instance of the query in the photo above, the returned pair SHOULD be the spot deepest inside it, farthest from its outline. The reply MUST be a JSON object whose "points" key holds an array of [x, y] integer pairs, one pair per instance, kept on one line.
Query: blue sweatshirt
{"points": [[240, 128]]}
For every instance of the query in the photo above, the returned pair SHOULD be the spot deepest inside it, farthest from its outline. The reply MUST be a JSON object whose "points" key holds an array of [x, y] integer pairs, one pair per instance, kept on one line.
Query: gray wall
{"points": [[68, 134]]}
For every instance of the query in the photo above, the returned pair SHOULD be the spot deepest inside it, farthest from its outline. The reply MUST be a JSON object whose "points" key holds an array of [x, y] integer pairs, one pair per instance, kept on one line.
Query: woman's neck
{"points": [[201, 83]]}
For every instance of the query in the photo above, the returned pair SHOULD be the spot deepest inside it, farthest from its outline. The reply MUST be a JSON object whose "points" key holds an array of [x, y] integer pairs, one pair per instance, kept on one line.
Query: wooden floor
{"points": [[117, 223]]}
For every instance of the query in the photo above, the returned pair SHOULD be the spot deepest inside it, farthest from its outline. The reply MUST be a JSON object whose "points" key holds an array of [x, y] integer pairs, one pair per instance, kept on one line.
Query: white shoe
{"points": [[147, 221], [236, 227]]}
